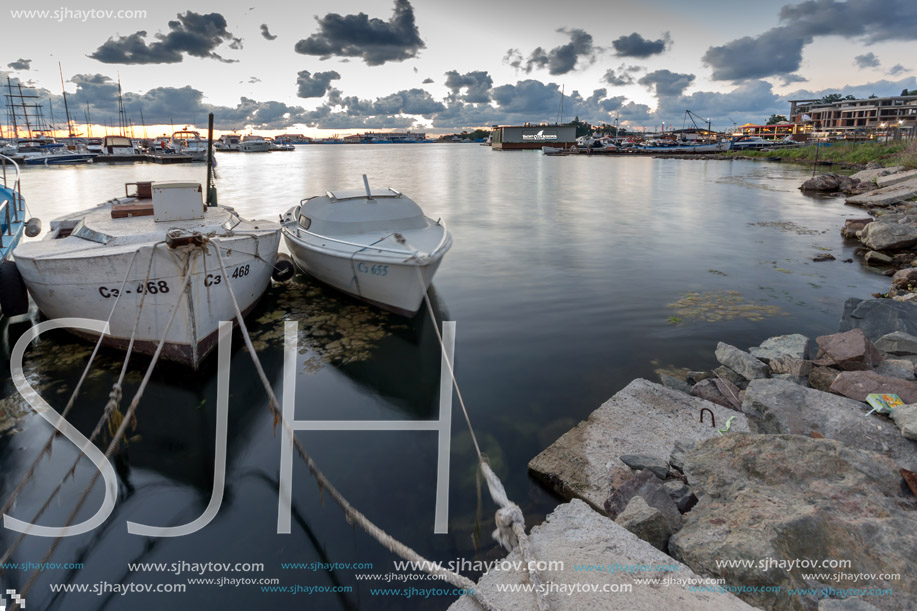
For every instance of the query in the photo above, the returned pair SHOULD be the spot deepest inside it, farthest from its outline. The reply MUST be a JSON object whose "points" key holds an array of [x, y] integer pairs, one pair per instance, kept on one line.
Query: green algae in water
{"points": [[787, 226], [720, 306], [332, 329]]}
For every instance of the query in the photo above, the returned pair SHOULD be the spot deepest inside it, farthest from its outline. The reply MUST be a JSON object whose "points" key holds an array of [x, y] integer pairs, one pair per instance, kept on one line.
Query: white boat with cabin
{"points": [[189, 142], [254, 144], [376, 245], [156, 248]]}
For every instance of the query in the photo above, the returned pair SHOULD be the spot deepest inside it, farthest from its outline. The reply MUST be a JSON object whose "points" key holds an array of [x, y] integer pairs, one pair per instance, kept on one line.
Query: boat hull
{"points": [[390, 285], [88, 287]]}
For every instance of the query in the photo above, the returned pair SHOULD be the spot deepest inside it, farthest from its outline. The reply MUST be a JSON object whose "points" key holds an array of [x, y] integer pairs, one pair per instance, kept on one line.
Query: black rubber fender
{"points": [[284, 269], [14, 298]]}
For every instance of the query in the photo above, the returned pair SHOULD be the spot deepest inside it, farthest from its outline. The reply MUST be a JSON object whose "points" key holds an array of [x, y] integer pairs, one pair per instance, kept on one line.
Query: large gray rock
{"points": [[575, 535], [877, 317], [896, 368], [781, 407], [905, 417], [795, 346], [821, 378], [646, 522], [873, 174], [719, 391], [829, 183], [650, 489], [886, 196], [888, 236], [655, 465], [791, 366], [789, 497], [859, 384], [850, 351], [896, 178], [643, 418], [725, 373], [741, 362], [897, 343]]}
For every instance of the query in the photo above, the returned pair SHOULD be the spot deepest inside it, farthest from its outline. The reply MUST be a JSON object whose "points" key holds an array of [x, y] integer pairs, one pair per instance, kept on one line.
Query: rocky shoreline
{"points": [[770, 460]]}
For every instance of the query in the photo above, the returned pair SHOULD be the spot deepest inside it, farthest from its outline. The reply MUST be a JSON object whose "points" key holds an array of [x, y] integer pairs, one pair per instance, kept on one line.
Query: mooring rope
{"points": [[116, 440], [114, 402], [46, 450], [510, 521], [351, 513]]}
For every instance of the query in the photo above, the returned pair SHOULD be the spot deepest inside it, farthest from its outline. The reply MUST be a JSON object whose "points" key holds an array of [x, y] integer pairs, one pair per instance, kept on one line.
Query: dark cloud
{"points": [[427, 81], [666, 83], [477, 86], [748, 101], [867, 60], [559, 60], [786, 79], [779, 50], [266, 32], [373, 40], [192, 34], [897, 69], [617, 80], [20, 64], [880, 88], [314, 85], [635, 45]]}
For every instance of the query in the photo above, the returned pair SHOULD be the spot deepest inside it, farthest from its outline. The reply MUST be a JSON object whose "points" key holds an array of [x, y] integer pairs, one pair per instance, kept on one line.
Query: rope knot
{"points": [[505, 534]]}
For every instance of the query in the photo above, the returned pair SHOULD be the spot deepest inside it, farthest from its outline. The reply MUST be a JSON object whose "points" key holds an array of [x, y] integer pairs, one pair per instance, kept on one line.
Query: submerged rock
{"points": [[789, 497], [850, 351], [646, 522], [741, 362], [781, 407]]}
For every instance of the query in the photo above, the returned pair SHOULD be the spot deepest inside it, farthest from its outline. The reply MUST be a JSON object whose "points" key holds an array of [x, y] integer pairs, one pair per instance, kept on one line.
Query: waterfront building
{"points": [[895, 115], [532, 136]]}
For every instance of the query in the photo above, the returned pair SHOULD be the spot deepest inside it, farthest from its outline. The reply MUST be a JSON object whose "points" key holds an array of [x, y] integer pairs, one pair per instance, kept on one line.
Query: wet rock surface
{"points": [[741, 362], [642, 418], [576, 535], [788, 497], [781, 407], [878, 317], [850, 351]]}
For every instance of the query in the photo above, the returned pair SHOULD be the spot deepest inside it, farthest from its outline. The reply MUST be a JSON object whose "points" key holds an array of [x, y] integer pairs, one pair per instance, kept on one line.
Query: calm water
{"points": [[562, 281]]}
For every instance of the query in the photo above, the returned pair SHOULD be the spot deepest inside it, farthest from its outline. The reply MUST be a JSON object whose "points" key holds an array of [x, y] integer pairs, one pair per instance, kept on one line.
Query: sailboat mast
{"points": [[9, 87], [561, 103], [66, 107]]}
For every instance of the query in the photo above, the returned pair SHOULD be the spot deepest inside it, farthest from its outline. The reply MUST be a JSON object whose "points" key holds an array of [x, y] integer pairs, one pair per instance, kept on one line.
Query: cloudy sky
{"points": [[438, 66]]}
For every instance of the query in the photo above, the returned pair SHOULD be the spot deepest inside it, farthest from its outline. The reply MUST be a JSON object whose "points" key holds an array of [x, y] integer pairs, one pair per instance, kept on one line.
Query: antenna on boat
{"points": [[211, 189], [369, 194]]}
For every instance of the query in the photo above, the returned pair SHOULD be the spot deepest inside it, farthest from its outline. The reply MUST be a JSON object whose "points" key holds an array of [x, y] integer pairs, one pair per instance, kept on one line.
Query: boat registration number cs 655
{"points": [[376, 270]]}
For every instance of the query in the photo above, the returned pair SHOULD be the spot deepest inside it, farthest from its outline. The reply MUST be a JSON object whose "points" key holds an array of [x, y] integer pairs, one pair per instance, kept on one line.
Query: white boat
{"points": [[749, 143], [43, 150], [229, 143], [102, 261], [119, 145], [687, 147], [254, 144], [375, 245], [189, 142]]}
